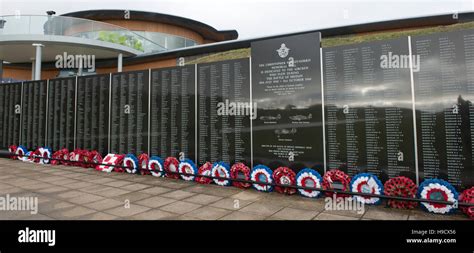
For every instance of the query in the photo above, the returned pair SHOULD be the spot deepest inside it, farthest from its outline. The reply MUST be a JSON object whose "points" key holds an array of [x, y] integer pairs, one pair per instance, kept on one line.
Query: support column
{"points": [[39, 48], [32, 69], [119, 63], [79, 70]]}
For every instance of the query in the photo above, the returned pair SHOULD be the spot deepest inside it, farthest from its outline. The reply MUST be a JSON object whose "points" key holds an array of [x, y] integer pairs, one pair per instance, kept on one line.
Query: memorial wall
{"points": [[393, 108], [10, 114], [172, 112], [33, 114], [444, 91], [286, 90], [129, 112], [368, 110], [61, 113], [223, 114], [92, 113]]}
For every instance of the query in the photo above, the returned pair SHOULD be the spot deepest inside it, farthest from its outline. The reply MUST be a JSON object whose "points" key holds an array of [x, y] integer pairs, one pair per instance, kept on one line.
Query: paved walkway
{"points": [[78, 193]]}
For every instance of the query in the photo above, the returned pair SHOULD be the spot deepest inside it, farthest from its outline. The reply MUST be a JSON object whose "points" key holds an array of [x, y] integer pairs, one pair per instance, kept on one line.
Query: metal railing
{"points": [[76, 27]]}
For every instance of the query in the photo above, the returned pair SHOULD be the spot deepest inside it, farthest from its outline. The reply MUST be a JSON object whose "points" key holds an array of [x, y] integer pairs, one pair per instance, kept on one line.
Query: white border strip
{"points": [[415, 138]]}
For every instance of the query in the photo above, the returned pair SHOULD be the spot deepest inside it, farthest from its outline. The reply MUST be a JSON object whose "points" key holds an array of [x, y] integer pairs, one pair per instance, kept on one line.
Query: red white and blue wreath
{"points": [[130, 162], [242, 172], [437, 189], [204, 170], [367, 183], [46, 154], [221, 169], [187, 166], [156, 166], [171, 167], [309, 178], [262, 173], [22, 152]]}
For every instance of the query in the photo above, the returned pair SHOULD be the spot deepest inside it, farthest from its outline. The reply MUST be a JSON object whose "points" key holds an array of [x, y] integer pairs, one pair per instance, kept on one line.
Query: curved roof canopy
{"points": [[206, 31]]}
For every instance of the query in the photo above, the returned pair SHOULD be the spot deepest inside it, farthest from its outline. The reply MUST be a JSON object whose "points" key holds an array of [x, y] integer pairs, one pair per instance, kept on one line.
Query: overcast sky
{"points": [[255, 18]]}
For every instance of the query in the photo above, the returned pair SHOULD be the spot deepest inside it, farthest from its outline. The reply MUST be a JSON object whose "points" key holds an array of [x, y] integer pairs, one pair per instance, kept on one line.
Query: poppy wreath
{"points": [[94, 158], [143, 164], [12, 149], [46, 155], [119, 162], [35, 156], [58, 156], [74, 157], [240, 171], [467, 196], [367, 183], [156, 166], [187, 166], [336, 179], [400, 187], [284, 176], [21, 153], [437, 189], [171, 165], [204, 170], [65, 158], [309, 178], [130, 161], [262, 173], [84, 156], [221, 169]]}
